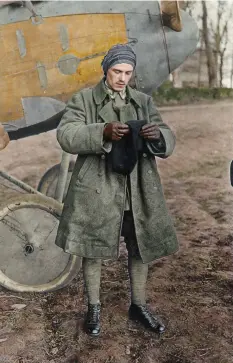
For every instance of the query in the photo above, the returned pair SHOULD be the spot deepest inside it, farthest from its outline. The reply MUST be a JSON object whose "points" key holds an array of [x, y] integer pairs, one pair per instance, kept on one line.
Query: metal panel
{"points": [[42, 75], [21, 43], [64, 37], [159, 49], [10, 14], [143, 21], [38, 109], [47, 70], [68, 64]]}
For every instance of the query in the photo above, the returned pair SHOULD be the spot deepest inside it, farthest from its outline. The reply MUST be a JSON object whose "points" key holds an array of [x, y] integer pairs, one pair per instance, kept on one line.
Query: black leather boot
{"points": [[92, 322], [141, 314]]}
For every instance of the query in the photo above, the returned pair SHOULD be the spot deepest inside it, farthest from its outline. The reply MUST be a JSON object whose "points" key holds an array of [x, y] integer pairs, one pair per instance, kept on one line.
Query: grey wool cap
{"points": [[119, 53]]}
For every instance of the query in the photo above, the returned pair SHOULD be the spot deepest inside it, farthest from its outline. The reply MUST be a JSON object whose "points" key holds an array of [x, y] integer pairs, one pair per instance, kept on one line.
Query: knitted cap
{"points": [[119, 53]]}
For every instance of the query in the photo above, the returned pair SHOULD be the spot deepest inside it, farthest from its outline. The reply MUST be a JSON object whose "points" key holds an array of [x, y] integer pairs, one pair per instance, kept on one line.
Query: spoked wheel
{"points": [[48, 182], [29, 258]]}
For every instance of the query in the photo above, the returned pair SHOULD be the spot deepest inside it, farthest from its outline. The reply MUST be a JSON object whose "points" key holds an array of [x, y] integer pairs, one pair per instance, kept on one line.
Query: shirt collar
{"points": [[100, 93], [113, 93]]}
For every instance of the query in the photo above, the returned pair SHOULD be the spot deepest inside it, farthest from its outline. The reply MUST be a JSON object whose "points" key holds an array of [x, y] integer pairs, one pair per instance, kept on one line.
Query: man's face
{"points": [[119, 76]]}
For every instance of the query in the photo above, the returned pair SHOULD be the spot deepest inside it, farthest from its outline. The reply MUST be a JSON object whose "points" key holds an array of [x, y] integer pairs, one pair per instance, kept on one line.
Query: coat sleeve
{"points": [[165, 146], [76, 134]]}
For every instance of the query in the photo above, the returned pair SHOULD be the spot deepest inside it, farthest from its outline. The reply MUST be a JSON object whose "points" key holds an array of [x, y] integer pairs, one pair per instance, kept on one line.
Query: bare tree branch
{"points": [[218, 32], [212, 73]]}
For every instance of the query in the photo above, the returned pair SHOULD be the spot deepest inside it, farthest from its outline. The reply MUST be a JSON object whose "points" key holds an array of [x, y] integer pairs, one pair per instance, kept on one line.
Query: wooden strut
{"points": [[25, 186]]}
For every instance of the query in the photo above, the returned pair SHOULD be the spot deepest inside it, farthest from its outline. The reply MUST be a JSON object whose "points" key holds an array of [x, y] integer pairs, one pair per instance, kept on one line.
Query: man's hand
{"points": [[4, 138], [114, 131], [150, 132]]}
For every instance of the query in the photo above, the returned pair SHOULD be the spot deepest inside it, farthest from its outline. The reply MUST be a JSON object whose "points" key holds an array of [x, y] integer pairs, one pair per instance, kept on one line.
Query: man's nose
{"points": [[122, 77]]}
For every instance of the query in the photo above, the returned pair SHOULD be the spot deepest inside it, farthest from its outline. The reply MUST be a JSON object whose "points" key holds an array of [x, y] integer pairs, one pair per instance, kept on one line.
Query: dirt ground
{"points": [[192, 290]]}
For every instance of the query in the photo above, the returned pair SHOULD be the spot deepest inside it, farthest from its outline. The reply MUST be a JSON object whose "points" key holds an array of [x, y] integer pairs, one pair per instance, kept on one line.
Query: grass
{"points": [[166, 94]]}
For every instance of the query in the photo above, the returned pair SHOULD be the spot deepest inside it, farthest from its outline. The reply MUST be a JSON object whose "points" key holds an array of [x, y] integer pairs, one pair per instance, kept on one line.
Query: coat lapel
{"points": [[128, 112], [107, 113]]}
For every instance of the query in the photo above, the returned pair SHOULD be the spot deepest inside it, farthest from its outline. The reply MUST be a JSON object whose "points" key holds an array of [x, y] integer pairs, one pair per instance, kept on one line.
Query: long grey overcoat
{"points": [[93, 210]]}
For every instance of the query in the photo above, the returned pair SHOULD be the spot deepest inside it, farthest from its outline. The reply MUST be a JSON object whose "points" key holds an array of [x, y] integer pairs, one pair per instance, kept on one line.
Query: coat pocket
{"points": [[84, 168]]}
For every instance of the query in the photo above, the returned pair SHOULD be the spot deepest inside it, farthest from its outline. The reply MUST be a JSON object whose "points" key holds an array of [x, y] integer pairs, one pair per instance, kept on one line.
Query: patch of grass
{"points": [[166, 94]]}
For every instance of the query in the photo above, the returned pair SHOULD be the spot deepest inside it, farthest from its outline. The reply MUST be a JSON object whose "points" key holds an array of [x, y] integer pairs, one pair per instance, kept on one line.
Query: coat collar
{"points": [[100, 93]]}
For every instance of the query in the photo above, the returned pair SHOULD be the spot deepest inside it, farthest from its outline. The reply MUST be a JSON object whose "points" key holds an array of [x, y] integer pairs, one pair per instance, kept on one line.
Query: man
{"points": [[102, 204]]}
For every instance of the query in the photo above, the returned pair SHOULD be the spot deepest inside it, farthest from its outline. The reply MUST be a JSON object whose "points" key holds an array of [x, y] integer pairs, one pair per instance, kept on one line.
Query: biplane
{"points": [[50, 49]]}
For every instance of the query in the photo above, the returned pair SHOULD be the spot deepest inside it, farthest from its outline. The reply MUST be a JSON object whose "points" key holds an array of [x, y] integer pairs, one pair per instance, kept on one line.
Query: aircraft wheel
{"points": [[29, 259], [48, 182]]}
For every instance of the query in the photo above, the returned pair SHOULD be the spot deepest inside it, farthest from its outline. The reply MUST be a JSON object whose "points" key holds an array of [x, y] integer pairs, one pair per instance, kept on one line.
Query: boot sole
{"points": [[136, 320], [91, 334]]}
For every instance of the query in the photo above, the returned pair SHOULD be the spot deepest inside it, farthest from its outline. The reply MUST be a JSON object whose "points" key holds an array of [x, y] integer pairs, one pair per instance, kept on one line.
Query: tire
{"points": [[29, 260], [48, 182], [231, 173]]}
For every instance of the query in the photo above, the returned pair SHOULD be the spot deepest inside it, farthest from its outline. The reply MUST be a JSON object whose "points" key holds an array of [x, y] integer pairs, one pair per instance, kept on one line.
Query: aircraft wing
{"points": [[49, 57]]}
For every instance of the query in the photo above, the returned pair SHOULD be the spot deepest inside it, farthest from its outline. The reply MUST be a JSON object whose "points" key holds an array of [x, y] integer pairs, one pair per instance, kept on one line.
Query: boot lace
{"points": [[93, 313]]}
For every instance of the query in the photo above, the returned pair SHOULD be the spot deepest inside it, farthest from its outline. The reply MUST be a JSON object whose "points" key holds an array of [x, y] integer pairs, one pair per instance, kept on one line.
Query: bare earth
{"points": [[191, 290]]}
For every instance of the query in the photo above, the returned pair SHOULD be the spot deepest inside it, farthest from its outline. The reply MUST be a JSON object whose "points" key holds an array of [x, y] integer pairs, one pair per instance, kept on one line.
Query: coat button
{"points": [[103, 157], [98, 191], [144, 155], [149, 172]]}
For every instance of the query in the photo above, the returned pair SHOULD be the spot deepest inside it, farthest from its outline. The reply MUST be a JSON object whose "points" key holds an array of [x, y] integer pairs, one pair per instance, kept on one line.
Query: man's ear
{"points": [[132, 82]]}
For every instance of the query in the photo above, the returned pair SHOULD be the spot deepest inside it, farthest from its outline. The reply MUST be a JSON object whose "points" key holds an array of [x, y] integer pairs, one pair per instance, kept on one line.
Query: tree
{"points": [[187, 6], [220, 35], [211, 61]]}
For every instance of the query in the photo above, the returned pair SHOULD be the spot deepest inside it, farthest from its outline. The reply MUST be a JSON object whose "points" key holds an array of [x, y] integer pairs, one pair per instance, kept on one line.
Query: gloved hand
{"points": [[115, 131], [150, 132], [4, 138]]}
